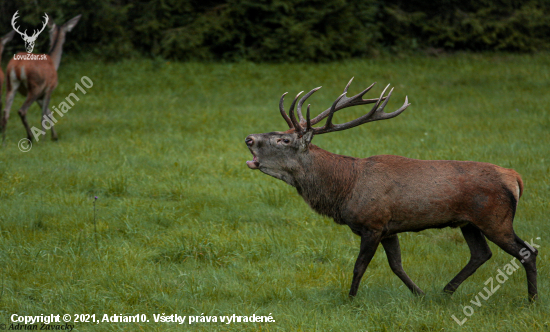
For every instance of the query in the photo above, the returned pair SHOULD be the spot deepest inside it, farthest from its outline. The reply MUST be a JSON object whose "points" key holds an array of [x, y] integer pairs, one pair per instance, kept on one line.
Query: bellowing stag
{"points": [[381, 196]]}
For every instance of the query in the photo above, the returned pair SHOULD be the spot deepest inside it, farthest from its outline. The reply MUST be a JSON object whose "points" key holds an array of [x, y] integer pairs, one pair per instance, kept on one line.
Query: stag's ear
{"points": [[71, 23], [305, 140]]}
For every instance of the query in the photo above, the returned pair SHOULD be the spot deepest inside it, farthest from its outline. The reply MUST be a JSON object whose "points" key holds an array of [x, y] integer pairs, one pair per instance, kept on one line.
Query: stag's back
{"points": [[418, 194]]}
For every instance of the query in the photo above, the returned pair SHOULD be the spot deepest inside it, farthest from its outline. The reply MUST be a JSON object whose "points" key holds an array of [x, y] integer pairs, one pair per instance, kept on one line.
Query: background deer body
{"points": [[381, 196], [3, 41], [36, 79]]}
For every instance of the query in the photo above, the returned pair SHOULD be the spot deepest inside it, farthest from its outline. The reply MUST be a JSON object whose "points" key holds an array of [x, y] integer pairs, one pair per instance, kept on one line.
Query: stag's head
{"points": [[281, 154], [29, 40]]}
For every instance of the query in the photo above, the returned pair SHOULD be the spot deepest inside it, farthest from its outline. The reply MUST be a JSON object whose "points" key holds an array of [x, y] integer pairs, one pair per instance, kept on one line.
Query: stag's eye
{"points": [[283, 140]]}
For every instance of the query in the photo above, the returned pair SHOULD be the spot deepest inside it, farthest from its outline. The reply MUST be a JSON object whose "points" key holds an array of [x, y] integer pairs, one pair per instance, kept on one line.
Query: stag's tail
{"points": [[520, 184], [513, 186], [512, 183]]}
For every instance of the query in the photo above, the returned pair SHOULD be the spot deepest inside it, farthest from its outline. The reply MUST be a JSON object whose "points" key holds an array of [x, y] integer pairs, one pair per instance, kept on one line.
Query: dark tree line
{"points": [[287, 30]]}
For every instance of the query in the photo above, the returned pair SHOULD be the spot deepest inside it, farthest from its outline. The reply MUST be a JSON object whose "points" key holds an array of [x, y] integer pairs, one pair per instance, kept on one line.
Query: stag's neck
{"points": [[326, 180], [56, 50]]}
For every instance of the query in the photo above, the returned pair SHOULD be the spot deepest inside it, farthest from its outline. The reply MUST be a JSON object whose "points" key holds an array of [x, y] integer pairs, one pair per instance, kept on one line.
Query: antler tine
{"points": [[282, 109], [308, 128], [375, 107], [376, 113], [301, 102], [379, 113], [347, 102], [396, 113], [329, 124], [347, 85], [295, 123]]}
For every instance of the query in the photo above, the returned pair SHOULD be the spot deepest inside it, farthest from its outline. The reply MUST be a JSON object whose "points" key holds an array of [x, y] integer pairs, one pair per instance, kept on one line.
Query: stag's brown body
{"points": [[381, 196]]}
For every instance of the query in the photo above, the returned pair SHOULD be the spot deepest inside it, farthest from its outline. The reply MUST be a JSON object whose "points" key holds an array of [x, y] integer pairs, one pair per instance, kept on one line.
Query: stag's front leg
{"points": [[369, 242], [393, 251]]}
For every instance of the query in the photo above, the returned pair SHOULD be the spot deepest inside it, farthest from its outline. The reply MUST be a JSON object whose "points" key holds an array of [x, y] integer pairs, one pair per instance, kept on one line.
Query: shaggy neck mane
{"points": [[326, 180]]}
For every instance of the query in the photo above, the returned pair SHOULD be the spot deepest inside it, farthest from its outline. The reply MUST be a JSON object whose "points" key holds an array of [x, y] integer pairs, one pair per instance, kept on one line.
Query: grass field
{"points": [[184, 227]]}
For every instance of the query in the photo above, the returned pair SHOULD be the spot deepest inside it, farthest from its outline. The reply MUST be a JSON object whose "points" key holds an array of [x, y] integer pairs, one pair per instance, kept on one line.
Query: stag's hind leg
{"points": [[526, 254], [393, 252], [479, 254], [500, 231]]}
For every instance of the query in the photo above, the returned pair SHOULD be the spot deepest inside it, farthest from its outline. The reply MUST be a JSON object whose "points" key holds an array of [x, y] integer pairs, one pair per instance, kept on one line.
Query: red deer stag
{"points": [[36, 78], [381, 196], [3, 41]]}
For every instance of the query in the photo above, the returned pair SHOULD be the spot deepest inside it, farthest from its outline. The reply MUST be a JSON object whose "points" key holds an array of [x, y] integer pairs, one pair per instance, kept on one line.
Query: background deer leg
{"points": [[44, 103], [23, 113], [479, 251], [393, 252], [10, 96], [369, 243]]}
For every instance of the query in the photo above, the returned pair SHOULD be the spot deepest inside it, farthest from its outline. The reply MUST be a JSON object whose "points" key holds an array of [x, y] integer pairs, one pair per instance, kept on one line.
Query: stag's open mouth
{"points": [[253, 164]]}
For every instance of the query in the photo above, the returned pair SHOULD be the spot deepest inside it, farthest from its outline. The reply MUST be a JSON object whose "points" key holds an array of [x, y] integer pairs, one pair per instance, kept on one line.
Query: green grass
{"points": [[184, 227]]}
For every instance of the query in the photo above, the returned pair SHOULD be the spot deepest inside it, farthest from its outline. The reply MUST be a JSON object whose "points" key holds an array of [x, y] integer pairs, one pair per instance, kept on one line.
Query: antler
{"points": [[291, 121], [282, 110], [347, 102], [43, 26], [301, 102], [375, 114]]}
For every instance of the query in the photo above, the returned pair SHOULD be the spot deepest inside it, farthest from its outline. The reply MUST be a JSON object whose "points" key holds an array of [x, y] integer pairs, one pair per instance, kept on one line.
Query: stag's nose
{"points": [[249, 141]]}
